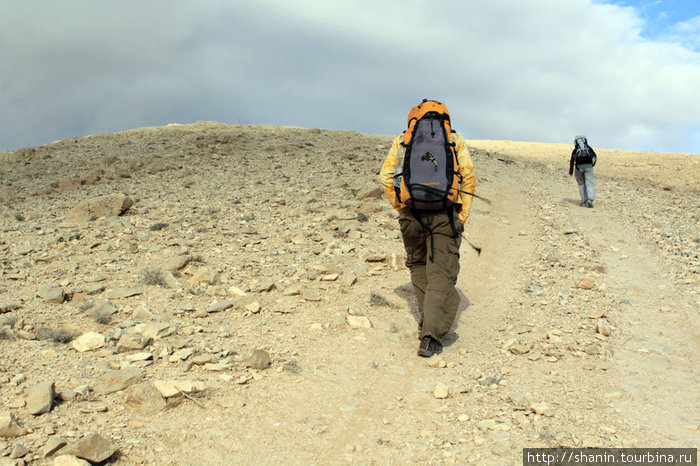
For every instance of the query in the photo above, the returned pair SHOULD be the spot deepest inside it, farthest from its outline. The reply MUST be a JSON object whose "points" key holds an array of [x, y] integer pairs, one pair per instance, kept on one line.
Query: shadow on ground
{"points": [[405, 292]]}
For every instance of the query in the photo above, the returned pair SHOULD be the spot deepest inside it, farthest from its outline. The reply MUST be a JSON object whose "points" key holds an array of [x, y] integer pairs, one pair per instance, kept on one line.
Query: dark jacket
{"points": [[572, 162]]}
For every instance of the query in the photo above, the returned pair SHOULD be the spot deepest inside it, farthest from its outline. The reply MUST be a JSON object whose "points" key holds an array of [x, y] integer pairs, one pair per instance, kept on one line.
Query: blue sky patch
{"points": [[667, 20]]}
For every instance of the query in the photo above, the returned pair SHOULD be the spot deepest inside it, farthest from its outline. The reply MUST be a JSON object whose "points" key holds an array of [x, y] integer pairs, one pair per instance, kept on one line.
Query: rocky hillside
{"points": [[216, 294]]}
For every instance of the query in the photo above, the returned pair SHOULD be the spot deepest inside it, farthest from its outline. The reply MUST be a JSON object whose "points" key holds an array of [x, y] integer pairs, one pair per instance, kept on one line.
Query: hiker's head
{"points": [[580, 141]]}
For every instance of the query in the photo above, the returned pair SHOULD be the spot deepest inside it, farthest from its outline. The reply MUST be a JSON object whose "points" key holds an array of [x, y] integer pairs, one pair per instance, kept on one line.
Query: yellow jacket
{"points": [[466, 170]]}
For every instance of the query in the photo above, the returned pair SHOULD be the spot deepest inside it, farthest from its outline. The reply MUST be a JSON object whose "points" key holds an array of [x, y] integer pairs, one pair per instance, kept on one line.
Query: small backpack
{"points": [[429, 177], [583, 154]]}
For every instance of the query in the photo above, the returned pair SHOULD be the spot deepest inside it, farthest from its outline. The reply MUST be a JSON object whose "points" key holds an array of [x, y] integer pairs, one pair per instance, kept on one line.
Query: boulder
{"points": [[103, 206]]}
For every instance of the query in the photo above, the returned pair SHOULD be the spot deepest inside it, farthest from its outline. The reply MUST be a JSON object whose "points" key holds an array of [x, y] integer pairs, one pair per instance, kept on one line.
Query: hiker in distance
{"points": [[428, 177], [583, 158]]}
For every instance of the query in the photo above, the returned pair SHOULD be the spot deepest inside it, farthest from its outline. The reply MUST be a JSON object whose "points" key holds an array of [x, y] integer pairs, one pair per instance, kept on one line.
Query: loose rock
{"points": [[441, 391], [9, 427], [40, 398], [89, 341], [103, 206], [359, 321], [52, 446], [145, 398], [69, 460], [260, 359], [93, 448], [114, 381]]}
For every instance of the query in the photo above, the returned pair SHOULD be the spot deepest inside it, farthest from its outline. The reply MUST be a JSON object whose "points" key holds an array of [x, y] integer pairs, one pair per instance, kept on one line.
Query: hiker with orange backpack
{"points": [[428, 177]]}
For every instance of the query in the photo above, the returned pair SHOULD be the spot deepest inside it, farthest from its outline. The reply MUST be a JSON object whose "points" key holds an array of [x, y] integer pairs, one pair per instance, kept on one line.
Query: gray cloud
{"points": [[532, 70]]}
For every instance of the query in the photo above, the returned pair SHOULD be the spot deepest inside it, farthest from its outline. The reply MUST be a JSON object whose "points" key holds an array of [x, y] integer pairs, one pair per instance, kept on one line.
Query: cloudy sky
{"points": [[625, 73]]}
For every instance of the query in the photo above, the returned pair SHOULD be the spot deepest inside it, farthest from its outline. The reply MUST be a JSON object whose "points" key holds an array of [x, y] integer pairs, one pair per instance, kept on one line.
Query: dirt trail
{"points": [[490, 280], [577, 327], [656, 356]]}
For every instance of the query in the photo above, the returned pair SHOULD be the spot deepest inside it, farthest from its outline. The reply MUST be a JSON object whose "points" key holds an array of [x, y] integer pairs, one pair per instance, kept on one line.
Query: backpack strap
{"points": [[427, 230], [451, 217]]}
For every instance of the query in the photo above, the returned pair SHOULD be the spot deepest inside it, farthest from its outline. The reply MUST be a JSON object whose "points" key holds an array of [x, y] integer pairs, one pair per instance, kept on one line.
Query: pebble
{"points": [[18, 450], [18, 379], [219, 306], [132, 342], [53, 445], [119, 293], [500, 450], [348, 280], [359, 321], [205, 275], [142, 356], [541, 408], [69, 460], [235, 291], [519, 348], [95, 288], [89, 341], [585, 284], [260, 360], [52, 294], [602, 328], [438, 363], [217, 367], [171, 388], [205, 358], [254, 307], [181, 355], [142, 313], [176, 263], [9, 306], [441, 391], [145, 398], [155, 330]]}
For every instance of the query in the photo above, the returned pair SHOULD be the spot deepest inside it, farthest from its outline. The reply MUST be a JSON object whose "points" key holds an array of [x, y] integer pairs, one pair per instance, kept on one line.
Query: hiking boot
{"points": [[583, 204], [589, 204], [429, 346]]}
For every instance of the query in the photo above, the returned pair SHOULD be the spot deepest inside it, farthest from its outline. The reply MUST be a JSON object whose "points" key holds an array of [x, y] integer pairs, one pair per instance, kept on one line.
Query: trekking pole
{"points": [[488, 201], [476, 248]]}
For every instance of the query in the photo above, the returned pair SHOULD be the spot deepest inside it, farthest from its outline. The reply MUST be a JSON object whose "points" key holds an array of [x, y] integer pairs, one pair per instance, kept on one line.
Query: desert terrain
{"points": [[235, 294]]}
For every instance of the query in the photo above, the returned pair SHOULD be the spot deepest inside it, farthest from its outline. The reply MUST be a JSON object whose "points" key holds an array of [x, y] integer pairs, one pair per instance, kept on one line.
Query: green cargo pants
{"points": [[433, 280]]}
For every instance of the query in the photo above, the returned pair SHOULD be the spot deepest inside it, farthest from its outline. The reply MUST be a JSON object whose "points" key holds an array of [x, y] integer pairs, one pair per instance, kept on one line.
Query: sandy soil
{"points": [[577, 327]]}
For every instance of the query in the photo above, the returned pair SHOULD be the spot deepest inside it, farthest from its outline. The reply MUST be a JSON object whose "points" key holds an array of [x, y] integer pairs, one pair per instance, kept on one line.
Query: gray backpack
{"points": [[583, 153], [430, 179]]}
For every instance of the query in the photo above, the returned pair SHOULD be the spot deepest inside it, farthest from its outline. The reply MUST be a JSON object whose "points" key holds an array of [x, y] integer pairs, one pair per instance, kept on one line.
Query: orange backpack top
{"points": [[419, 112]]}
